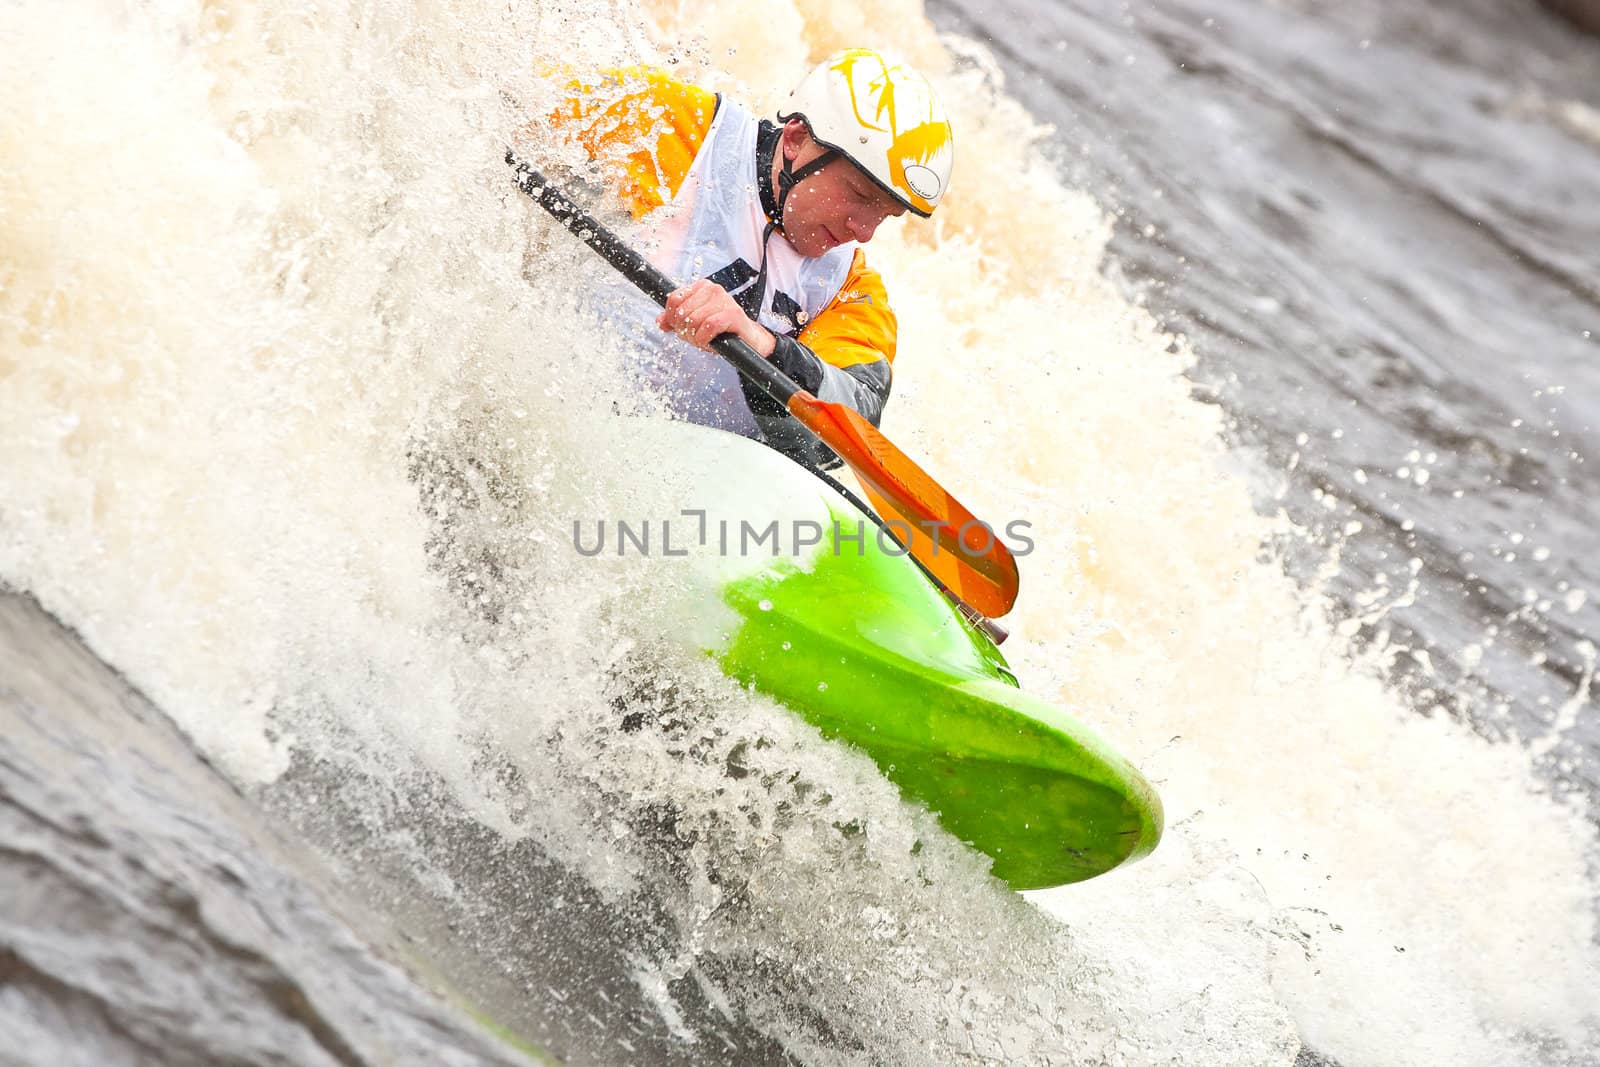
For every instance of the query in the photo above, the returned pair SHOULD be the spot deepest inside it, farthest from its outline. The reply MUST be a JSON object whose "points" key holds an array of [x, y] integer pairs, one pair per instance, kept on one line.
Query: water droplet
{"points": [[822, 687], [765, 605]]}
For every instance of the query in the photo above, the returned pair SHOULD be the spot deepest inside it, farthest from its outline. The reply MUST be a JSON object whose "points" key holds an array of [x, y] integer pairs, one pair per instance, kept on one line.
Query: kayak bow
{"points": [[852, 636]]}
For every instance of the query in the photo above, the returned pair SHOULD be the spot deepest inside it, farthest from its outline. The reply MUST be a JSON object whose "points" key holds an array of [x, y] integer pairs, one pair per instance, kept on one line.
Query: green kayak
{"points": [[835, 623]]}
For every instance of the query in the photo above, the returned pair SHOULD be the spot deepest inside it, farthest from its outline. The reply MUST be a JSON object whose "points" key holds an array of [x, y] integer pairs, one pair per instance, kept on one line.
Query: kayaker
{"points": [[768, 218]]}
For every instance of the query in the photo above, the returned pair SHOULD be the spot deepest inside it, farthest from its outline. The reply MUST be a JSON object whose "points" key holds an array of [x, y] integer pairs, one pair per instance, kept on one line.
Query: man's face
{"points": [[833, 206]]}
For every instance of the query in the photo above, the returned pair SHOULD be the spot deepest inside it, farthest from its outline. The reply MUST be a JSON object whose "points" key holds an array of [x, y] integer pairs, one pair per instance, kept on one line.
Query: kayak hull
{"points": [[849, 633], [865, 649]]}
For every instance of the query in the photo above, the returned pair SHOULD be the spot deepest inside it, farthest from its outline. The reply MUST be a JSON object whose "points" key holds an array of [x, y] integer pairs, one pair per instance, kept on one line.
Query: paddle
{"points": [[939, 532]]}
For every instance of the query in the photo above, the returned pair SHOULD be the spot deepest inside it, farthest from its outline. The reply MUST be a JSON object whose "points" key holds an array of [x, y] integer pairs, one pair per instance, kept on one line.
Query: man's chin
{"points": [[812, 243], [817, 244]]}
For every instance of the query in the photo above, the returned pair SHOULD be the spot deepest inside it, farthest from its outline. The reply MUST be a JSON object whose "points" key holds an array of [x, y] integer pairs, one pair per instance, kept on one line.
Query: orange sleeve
{"points": [[642, 126], [858, 326]]}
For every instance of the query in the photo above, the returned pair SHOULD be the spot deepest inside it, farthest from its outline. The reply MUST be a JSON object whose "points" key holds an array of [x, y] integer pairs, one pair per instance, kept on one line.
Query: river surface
{"points": [[1372, 222], [1277, 320]]}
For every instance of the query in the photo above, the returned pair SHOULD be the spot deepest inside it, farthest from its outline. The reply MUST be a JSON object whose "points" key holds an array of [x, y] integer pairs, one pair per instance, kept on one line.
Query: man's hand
{"points": [[703, 311]]}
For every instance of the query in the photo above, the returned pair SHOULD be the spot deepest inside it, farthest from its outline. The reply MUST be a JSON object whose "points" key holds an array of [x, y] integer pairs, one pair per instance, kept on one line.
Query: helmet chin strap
{"points": [[788, 177]]}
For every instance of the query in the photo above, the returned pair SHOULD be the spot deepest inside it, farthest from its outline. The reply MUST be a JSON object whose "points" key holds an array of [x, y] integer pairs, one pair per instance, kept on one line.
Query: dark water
{"points": [[151, 916], [1376, 225]]}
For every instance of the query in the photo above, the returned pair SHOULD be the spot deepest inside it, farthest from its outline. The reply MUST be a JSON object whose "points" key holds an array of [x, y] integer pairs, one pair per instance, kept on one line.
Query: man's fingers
{"points": [[677, 310], [700, 313], [699, 302], [701, 298], [668, 319], [715, 325]]}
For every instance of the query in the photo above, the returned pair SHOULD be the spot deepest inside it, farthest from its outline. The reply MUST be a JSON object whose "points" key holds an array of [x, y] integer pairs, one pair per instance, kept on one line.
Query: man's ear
{"points": [[795, 136]]}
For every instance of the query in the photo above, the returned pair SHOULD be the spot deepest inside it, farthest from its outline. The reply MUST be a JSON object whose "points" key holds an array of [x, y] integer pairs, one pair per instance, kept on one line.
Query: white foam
{"points": [[262, 263]]}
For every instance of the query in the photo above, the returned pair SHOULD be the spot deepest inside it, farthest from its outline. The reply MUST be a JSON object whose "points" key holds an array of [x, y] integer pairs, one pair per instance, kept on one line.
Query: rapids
{"points": [[299, 401]]}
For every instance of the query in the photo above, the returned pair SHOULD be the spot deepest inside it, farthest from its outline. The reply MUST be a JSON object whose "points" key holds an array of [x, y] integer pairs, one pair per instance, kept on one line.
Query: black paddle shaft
{"points": [[650, 281], [746, 360]]}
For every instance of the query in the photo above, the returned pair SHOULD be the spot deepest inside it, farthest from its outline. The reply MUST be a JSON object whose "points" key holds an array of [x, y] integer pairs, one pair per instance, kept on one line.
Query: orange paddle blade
{"points": [[939, 531]]}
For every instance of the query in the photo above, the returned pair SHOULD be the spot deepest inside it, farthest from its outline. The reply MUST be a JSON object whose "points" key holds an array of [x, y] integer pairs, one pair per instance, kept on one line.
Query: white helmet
{"points": [[882, 116]]}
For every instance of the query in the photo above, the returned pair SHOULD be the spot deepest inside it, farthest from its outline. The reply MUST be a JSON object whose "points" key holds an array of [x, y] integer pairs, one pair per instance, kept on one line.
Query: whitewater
{"points": [[299, 401]]}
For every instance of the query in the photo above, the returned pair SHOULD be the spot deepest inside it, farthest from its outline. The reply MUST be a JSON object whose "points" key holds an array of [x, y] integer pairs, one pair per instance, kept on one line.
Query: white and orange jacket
{"points": [[663, 144]]}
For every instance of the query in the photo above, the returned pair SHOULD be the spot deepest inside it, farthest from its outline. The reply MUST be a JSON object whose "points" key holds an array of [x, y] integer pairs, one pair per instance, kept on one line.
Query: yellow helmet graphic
{"points": [[885, 118]]}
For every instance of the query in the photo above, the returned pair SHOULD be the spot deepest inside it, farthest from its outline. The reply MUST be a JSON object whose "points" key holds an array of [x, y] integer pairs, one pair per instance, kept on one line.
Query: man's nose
{"points": [[862, 227]]}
